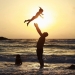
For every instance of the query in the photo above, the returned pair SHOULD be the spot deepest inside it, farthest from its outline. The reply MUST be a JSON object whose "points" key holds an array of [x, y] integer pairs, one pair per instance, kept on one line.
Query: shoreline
{"points": [[31, 68]]}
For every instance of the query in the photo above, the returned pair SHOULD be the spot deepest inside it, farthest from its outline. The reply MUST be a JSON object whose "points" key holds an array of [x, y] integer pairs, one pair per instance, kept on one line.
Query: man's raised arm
{"points": [[38, 29]]}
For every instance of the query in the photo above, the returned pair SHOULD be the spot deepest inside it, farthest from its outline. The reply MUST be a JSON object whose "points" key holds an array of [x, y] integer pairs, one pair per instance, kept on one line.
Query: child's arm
{"points": [[38, 29], [41, 16]]}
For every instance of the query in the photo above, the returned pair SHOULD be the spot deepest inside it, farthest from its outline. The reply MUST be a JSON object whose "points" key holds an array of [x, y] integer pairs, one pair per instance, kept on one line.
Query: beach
{"points": [[58, 56], [31, 67]]}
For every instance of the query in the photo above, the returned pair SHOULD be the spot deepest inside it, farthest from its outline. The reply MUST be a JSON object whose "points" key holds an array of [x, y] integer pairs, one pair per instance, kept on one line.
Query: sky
{"points": [[58, 21]]}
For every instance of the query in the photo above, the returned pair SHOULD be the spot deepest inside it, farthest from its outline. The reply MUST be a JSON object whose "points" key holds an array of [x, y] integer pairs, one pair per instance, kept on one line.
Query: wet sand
{"points": [[32, 68]]}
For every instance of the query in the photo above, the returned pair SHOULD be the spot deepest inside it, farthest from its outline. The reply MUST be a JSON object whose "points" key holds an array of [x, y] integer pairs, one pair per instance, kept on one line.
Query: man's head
{"points": [[45, 34]]}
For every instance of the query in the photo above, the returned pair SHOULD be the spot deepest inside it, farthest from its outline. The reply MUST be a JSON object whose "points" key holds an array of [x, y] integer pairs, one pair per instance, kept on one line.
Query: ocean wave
{"points": [[47, 58], [61, 46], [63, 41]]}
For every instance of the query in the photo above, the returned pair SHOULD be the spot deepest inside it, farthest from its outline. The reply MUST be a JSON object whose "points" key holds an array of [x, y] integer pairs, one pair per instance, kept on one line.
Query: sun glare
{"points": [[45, 21]]}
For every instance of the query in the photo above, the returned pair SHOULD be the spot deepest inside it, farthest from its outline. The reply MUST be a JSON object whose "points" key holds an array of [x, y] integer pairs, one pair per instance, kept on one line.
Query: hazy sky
{"points": [[59, 18]]}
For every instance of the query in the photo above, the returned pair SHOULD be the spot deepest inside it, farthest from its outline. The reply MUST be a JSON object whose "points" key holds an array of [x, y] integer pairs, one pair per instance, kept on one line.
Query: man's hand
{"points": [[35, 24]]}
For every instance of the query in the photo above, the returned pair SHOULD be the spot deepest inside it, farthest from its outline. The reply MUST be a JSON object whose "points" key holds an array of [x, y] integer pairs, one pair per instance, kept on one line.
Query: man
{"points": [[40, 45], [39, 13]]}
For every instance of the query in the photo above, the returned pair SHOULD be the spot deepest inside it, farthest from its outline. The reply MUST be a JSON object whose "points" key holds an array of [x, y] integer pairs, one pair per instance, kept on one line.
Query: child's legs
{"points": [[31, 19], [27, 20], [34, 17]]}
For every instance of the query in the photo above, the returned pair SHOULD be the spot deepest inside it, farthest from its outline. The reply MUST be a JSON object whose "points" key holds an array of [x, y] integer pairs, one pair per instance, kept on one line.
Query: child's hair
{"points": [[17, 56]]}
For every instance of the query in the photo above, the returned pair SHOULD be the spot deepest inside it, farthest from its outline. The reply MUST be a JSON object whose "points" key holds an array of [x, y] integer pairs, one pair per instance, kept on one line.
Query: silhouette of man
{"points": [[40, 45], [39, 13]]}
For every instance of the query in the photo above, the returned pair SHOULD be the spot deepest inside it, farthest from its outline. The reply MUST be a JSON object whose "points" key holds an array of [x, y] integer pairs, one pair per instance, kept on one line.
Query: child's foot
{"points": [[24, 21], [27, 23]]}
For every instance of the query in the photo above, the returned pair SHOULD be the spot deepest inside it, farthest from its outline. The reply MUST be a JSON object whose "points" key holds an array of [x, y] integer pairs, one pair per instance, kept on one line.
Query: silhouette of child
{"points": [[40, 45], [18, 60], [39, 13]]}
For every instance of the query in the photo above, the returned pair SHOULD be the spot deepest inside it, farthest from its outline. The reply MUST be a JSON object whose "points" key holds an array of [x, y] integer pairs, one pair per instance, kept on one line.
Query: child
{"points": [[39, 13], [18, 60]]}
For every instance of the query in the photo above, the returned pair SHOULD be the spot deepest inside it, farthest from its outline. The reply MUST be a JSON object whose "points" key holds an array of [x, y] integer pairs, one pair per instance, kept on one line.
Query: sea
{"points": [[58, 55]]}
